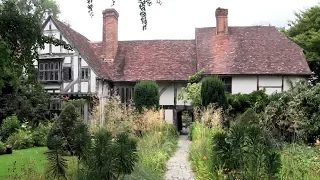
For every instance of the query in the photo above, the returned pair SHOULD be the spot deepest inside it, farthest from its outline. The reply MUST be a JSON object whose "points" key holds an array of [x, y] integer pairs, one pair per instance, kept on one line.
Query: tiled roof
{"points": [[249, 50], [244, 51], [83, 45]]}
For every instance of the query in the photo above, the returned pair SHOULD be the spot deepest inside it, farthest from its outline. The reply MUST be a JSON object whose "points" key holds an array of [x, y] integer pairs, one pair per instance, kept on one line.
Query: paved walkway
{"points": [[178, 166]]}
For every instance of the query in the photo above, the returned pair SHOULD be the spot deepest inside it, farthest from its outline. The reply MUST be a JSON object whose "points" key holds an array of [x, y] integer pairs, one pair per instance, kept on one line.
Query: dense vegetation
{"points": [[146, 95], [213, 92]]}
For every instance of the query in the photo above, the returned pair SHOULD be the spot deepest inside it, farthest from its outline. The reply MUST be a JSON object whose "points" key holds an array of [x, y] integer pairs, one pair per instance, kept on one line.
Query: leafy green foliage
{"points": [[2, 148], [57, 164], [82, 141], [40, 133], [245, 150], [64, 127], [154, 149], [38, 8], [9, 126], [299, 162], [294, 114], [21, 139], [257, 100], [192, 92], [146, 95], [213, 92], [111, 158], [304, 31]]}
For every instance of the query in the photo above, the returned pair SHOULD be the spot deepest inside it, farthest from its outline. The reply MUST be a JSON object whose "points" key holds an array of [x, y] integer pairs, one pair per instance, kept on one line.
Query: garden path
{"points": [[178, 166]]}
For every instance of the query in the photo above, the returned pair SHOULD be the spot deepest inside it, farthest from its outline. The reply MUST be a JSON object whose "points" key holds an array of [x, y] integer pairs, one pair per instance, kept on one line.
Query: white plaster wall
{"points": [[56, 49], [67, 60], [168, 116], [84, 87], [75, 67], [270, 80], [93, 81], [167, 97], [244, 84], [75, 87], [83, 63], [51, 86], [65, 85]]}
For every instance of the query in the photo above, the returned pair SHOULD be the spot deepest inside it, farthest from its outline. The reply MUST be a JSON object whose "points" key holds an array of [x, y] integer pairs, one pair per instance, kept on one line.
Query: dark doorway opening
{"points": [[184, 120]]}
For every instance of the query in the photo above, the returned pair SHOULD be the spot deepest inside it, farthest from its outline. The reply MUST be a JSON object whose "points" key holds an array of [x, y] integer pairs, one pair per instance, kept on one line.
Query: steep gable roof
{"points": [[255, 50], [249, 50], [153, 60], [83, 45]]}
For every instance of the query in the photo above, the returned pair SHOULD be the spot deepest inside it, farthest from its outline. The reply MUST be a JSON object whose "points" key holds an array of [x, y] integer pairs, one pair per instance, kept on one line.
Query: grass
{"points": [[300, 162], [23, 158], [154, 150]]}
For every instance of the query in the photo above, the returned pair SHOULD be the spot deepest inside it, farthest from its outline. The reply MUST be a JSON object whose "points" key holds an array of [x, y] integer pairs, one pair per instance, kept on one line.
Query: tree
{"points": [[39, 8], [213, 91], [193, 90], [146, 95], [143, 4], [305, 31]]}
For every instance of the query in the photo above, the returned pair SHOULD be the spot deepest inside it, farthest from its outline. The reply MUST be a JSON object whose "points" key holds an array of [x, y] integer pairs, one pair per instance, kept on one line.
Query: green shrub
{"points": [[295, 114], [110, 159], [146, 94], [40, 133], [245, 150], [9, 126], [213, 91], [21, 140], [2, 148], [64, 127]]}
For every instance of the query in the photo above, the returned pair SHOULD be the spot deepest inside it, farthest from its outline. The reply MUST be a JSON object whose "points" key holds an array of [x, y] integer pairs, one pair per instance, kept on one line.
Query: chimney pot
{"points": [[222, 21]]}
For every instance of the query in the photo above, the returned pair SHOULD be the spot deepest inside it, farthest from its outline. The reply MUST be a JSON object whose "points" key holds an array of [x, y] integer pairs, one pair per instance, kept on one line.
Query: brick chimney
{"points": [[222, 21], [110, 34]]}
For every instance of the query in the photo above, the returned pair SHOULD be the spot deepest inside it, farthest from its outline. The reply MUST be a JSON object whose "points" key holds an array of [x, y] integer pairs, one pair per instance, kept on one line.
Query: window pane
{"points": [[57, 66], [46, 66], [51, 66], [56, 76], [41, 66], [128, 95], [122, 95], [41, 76], [46, 76], [67, 73], [87, 73], [82, 74], [51, 75]]}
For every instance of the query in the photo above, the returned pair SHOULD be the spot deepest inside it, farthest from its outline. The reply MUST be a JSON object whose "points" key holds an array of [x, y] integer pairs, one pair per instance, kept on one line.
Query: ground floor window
{"points": [[227, 83], [55, 104], [126, 94]]}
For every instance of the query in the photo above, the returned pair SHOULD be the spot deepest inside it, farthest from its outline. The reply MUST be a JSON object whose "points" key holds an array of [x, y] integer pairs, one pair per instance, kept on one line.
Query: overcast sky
{"points": [[176, 19]]}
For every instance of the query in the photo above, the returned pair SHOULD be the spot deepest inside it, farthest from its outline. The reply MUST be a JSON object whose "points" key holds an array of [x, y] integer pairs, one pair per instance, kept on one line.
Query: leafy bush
{"points": [[39, 134], [65, 128], [146, 94], [213, 92], [2, 148], [21, 140], [295, 114], [192, 92], [245, 150], [9, 126], [111, 159], [257, 100]]}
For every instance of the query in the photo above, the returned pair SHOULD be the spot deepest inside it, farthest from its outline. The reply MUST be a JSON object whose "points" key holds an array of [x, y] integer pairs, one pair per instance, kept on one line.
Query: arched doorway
{"points": [[184, 120]]}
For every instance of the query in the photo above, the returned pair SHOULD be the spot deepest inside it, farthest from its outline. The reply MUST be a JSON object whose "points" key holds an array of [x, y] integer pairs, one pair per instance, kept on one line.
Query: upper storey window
{"points": [[49, 71]]}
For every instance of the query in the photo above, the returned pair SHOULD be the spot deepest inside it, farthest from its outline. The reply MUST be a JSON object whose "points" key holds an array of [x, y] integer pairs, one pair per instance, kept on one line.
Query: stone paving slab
{"points": [[178, 166]]}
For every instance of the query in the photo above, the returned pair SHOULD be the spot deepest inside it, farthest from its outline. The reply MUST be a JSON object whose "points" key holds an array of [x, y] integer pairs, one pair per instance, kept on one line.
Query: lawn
{"points": [[19, 159]]}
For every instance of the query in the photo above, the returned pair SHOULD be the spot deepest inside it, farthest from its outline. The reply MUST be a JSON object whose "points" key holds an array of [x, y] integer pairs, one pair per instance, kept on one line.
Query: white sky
{"points": [[176, 19]]}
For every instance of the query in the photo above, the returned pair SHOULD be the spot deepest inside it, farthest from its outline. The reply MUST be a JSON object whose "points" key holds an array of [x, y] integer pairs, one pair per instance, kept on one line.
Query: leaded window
{"points": [[227, 83], [49, 71], [84, 73]]}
